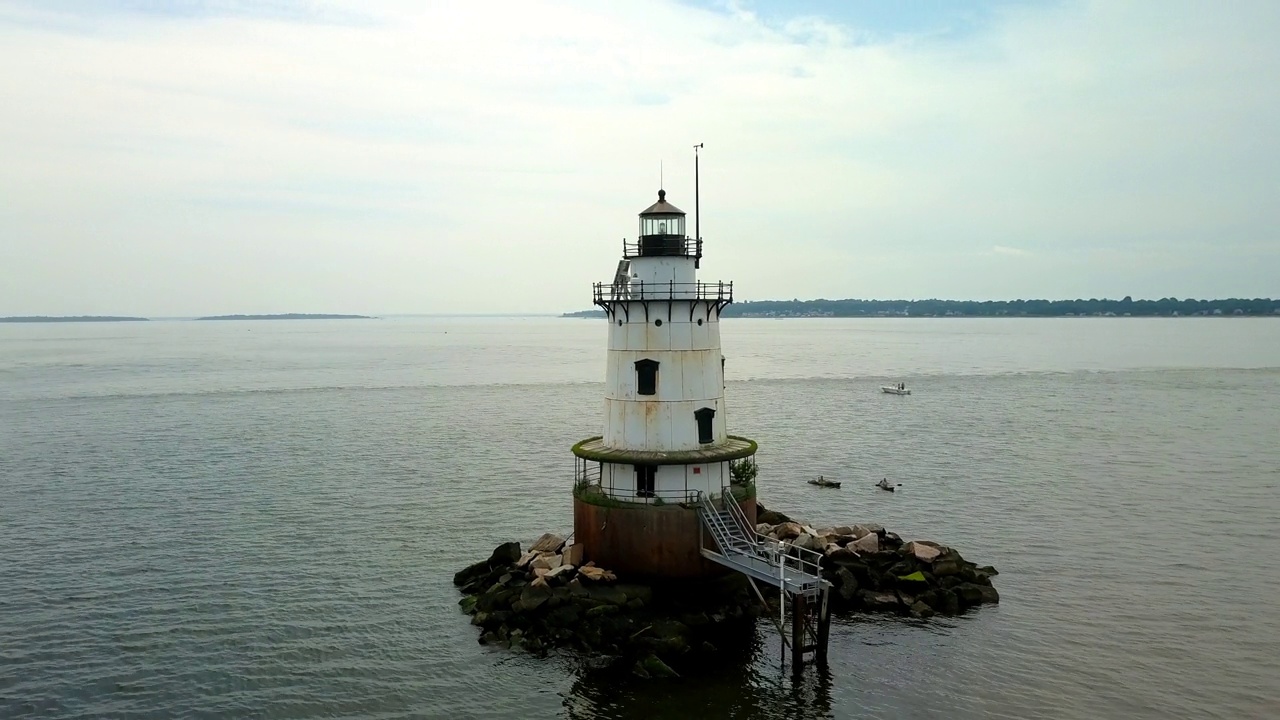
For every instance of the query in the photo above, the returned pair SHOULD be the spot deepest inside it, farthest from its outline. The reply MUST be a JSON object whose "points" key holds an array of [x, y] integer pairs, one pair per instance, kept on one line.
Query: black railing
{"points": [[716, 292], [662, 246]]}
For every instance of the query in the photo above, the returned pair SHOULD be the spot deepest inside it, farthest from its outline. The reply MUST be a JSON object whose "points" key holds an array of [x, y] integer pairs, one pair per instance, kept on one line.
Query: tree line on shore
{"points": [[1168, 306], [1164, 307]]}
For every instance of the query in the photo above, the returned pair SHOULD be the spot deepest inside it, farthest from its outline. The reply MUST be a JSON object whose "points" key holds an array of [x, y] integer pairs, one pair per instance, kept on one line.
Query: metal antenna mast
{"points": [[698, 231]]}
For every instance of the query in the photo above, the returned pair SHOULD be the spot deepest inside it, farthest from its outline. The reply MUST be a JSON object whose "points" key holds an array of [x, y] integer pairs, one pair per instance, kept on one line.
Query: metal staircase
{"points": [[795, 571]]}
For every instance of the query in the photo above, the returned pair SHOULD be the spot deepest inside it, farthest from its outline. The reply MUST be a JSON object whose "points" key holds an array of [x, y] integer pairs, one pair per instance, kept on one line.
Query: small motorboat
{"points": [[884, 485], [895, 390], [823, 482]]}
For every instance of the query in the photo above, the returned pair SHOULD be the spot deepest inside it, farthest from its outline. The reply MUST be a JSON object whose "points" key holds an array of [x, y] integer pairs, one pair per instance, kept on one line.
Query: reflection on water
{"points": [[741, 683]]}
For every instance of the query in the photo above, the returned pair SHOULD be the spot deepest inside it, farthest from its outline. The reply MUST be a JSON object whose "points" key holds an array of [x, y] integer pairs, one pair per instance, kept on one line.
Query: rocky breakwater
{"points": [[544, 598], [872, 569]]}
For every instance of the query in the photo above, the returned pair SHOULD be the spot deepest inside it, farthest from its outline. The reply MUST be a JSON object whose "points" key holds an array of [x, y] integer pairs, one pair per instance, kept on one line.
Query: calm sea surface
{"points": [[262, 519]]}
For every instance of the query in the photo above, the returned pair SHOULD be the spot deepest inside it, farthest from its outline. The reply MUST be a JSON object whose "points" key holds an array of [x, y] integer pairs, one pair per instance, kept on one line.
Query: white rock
{"points": [[547, 561], [558, 571]]}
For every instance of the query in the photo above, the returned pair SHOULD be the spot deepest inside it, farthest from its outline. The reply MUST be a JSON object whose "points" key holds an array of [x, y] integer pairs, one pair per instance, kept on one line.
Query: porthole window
{"points": [[619, 322], [699, 321], [646, 377], [658, 322], [704, 417]]}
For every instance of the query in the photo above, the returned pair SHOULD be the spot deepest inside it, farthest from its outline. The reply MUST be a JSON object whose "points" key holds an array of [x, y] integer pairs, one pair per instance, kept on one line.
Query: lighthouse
{"points": [[666, 449]]}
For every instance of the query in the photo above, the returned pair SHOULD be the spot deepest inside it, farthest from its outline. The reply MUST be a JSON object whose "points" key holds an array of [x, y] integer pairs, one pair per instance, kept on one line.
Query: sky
{"points": [[187, 157]]}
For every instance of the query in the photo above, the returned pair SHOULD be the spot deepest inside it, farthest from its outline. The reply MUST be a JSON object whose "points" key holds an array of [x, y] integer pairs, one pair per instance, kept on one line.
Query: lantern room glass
{"points": [[662, 225]]}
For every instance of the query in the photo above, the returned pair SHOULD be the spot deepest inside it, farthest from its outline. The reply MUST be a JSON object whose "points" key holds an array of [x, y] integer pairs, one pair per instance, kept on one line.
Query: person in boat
{"points": [[884, 483]]}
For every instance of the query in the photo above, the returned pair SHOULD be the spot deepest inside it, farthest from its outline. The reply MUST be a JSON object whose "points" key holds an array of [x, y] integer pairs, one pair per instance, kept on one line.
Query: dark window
{"points": [[658, 322], [644, 480], [704, 416], [646, 377]]}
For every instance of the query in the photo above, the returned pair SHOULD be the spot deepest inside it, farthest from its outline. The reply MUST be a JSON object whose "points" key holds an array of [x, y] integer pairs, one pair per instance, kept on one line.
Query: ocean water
{"points": [[262, 519]]}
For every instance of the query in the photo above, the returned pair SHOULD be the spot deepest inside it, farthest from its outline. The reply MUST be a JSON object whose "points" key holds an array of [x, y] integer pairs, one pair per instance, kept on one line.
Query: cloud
{"points": [[177, 158]]}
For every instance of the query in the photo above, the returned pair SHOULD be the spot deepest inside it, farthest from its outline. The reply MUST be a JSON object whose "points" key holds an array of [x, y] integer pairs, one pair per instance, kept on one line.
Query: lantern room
{"points": [[662, 232], [662, 218]]}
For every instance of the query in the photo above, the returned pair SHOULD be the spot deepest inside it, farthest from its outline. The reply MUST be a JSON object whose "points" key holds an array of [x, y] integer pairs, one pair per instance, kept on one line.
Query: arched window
{"points": [[646, 377], [704, 417]]}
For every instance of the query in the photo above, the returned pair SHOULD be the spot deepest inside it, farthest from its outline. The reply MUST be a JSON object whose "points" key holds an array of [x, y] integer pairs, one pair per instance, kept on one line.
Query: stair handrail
{"points": [[739, 515], [805, 560]]}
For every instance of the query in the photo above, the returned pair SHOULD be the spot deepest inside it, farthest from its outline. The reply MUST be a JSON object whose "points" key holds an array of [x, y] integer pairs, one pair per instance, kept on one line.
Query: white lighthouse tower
{"points": [[665, 444]]}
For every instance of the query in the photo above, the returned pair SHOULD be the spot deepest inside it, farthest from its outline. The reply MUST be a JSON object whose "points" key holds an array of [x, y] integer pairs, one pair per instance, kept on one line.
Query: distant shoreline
{"points": [[1128, 307], [71, 319], [288, 316]]}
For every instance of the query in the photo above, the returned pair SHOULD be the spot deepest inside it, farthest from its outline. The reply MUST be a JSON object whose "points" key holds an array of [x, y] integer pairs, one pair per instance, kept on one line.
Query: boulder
{"points": [[806, 541], [764, 528], [921, 550], [971, 594], [655, 668], [868, 543], [767, 516], [943, 568], [525, 559], [538, 582], [875, 600], [559, 571], [572, 554], [548, 543], [547, 562], [607, 595], [471, 573], [873, 528], [595, 574], [788, 530], [921, 610], [837, 554], [846, 583], [505, 554]]}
